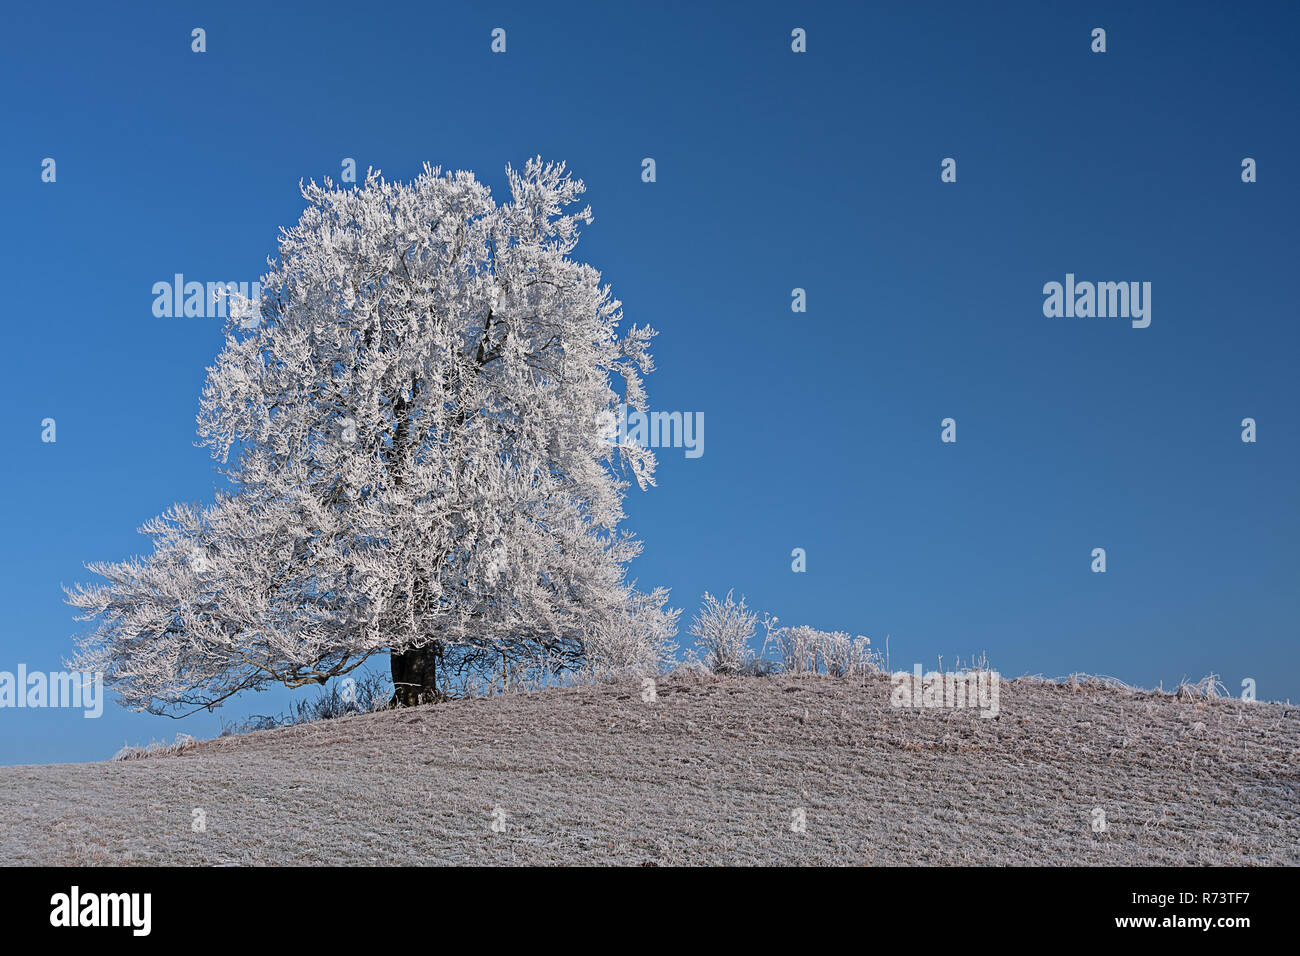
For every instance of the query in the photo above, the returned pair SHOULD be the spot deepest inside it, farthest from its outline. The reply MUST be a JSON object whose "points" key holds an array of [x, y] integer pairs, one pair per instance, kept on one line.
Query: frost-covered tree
{"points": [[408, 420]]}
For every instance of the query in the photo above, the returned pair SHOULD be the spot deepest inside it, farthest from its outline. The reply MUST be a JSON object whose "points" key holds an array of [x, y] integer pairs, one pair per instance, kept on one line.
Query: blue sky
{"points": [[775, 170]]}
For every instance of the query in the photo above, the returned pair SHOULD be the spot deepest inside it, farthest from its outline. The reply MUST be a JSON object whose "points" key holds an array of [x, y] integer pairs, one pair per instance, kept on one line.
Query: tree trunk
{"points": [[415, 675]]}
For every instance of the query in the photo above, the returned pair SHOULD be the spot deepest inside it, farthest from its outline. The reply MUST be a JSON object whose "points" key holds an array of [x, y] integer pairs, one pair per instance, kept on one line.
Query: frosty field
{"points": [[714, 771]]}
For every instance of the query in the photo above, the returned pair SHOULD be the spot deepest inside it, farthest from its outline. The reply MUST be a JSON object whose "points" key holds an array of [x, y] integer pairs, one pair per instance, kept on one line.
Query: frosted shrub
{"points": [[798, 649], [367, 695], [723, 629], [806, 650], [843, 656]]}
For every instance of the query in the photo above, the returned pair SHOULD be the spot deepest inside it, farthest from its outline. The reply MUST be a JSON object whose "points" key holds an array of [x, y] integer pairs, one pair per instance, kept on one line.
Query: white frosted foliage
{"points": [[410, 435]]}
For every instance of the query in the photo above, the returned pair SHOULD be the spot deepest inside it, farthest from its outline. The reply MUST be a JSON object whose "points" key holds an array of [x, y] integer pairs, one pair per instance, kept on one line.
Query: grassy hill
{"points": [[712, 772]]}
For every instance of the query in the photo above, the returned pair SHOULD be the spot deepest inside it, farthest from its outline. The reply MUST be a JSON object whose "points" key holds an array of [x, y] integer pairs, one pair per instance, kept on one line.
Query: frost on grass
{"points": [[705, 774], [182, 743]]}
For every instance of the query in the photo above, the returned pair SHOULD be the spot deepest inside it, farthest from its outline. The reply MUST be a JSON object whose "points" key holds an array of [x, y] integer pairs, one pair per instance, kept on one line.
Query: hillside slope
{"points": [[712, 772]]}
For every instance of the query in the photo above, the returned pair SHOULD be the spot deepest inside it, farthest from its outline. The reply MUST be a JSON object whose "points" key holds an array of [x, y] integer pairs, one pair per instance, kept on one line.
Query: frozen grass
{"points": [[156, 748], [710, 772]]}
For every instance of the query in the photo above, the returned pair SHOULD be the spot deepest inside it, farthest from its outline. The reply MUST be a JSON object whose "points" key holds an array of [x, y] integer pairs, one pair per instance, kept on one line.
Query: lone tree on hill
{"points": [[409, 421]]}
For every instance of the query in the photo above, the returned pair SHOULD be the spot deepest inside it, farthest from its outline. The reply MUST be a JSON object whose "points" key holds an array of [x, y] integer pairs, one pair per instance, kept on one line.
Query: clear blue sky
{"points": [[775, 171]]}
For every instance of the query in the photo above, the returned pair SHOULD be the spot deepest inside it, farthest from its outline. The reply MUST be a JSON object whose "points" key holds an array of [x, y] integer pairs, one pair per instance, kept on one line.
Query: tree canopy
{"points": [[410, 429]]}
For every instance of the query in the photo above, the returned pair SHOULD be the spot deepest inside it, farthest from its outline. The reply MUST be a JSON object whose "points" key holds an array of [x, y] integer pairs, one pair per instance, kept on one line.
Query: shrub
{"points": [[361, 696], [849, 657], [798, 649], [806, 650], [723, 629], [364, 695]]}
